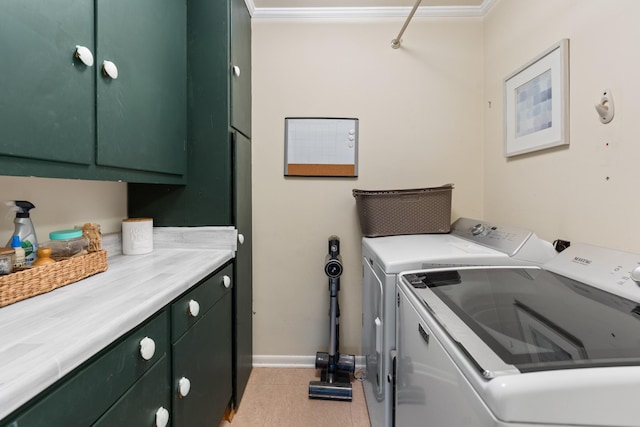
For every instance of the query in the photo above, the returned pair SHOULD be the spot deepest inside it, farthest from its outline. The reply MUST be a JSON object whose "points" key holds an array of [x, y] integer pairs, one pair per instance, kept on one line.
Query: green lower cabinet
{"points": [[140, 405], [202, 387], [84, 395], [187, 377]]}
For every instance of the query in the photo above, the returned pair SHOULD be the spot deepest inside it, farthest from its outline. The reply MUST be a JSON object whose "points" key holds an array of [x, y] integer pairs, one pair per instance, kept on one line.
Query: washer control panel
{"points": [[608, 269], [502, 238]]}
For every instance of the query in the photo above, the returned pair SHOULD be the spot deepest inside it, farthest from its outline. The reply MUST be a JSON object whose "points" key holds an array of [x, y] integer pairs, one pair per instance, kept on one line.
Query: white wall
{"points": [[420, 125], [587, 191], [63, 203]]}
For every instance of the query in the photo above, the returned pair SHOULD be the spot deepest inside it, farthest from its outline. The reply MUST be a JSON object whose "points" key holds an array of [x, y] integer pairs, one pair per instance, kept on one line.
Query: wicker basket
{"points": [[34, 281], [393, 212]]}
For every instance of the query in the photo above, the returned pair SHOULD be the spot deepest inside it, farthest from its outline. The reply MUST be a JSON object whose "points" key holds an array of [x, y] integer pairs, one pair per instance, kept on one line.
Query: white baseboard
{"points": [[284, 361]]}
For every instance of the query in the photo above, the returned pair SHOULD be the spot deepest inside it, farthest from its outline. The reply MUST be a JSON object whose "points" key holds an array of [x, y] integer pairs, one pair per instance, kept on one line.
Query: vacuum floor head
{"points": [[330, 391]]}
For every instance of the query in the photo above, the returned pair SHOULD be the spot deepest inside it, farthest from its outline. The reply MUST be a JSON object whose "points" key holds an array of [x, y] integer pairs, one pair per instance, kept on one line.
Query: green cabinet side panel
{"points": [[207, 197], [241, 58], [203, 355], [90, 390], [243, 301], [46, 94], [142, 114], [138, 406]]}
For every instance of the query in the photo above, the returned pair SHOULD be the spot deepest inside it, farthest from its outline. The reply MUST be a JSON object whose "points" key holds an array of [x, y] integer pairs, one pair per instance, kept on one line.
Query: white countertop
{"points": [[45, 337]]}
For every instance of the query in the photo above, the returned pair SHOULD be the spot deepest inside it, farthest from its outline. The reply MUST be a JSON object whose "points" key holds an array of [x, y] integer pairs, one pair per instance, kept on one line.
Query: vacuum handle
{"points": [[333, 261], [334, 246]]}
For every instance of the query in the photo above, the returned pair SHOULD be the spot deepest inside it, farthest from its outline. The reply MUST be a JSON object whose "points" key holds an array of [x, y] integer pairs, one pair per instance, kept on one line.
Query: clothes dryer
{"points": [[471, 242]]}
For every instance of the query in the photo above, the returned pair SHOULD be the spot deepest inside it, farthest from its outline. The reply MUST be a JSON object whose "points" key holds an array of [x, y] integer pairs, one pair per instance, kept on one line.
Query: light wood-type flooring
{"points": [[278, 397]]}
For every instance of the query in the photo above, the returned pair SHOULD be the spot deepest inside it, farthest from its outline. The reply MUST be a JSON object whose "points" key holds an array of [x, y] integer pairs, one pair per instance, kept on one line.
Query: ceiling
{"points": [[260, 4], [365, 8]]}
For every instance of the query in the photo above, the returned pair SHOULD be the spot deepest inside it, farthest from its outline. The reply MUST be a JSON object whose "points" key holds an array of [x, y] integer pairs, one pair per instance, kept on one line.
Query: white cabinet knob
{"points": [[236, 71], [226, 281], [84, 55], [194, 308], [240, 238], [184, 386], [147, 348], [162, 417], [109, 69]]}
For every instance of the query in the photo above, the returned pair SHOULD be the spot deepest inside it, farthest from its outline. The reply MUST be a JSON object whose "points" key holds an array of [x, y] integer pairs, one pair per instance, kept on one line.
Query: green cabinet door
{"points": [[202, 356], [243, 306], [46, 94], [140, 404], [142, 113], [240, 67]]}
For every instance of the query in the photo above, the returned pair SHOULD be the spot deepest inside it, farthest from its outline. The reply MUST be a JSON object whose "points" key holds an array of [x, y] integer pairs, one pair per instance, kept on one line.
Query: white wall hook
{"points": [[605, 107]]}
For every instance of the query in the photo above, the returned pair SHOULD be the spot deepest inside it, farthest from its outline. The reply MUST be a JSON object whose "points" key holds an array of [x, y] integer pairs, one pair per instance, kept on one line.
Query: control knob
{"points": [[635, 275], [477, 229]]}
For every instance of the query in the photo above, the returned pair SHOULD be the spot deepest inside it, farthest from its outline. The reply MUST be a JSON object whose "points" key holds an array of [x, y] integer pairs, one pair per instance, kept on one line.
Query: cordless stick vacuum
{"points": [[335, 377]]}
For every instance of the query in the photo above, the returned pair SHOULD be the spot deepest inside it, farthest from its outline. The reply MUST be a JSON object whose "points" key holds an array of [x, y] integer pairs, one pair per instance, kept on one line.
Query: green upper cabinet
{"points": [[62, 118], [142, 114], [240, 67], [46, 94]]}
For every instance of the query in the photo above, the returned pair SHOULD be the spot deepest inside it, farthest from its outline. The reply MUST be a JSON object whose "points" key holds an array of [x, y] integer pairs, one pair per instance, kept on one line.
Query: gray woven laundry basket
{"points": [[411, 211]]}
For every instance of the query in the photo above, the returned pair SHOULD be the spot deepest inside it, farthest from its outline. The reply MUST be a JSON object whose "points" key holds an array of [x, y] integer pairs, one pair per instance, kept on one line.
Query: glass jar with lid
{"points": [[67, 243]]}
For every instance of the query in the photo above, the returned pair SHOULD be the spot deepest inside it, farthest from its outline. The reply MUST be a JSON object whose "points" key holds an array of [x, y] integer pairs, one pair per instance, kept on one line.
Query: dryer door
{"points": [[372, 327]]}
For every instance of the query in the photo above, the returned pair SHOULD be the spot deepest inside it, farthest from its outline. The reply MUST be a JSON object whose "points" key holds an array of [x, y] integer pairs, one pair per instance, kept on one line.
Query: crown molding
{"points": [[367, 12]]}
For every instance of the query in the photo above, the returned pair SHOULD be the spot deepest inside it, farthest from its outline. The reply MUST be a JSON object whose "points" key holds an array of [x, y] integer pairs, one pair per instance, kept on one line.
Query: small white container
{"points": [[137, 236]]}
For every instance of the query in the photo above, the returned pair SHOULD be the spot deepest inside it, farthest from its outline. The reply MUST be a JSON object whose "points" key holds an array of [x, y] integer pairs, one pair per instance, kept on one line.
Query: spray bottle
{"points": [[24, 229]]}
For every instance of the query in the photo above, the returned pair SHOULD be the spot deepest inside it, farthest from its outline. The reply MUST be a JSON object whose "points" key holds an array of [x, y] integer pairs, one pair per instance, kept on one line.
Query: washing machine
{"points": [[470, 242], [521, 346]]}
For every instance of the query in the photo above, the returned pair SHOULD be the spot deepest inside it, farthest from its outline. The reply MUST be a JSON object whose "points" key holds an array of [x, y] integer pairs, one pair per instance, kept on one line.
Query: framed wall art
{"points": [[536, 103]]}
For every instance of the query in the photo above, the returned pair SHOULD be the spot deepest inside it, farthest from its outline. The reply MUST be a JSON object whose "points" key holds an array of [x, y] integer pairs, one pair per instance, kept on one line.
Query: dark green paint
{"points": [[203, 355], [46, 95], [207, 295], [218, 190], [243, 292], [47, 169], [206, 199], [241, 57], [62, 119], [142, 113], [138, 406], [85, 394]]}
